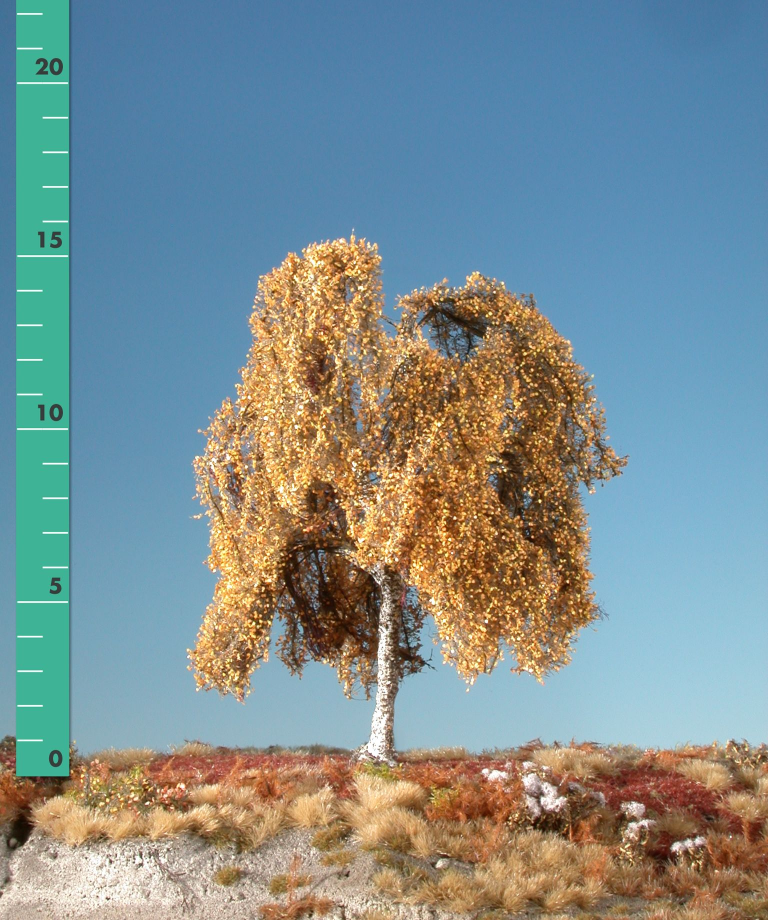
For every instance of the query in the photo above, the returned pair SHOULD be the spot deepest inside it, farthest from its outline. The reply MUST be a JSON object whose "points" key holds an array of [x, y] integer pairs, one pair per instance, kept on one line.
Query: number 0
{"points": [[55, 759]]}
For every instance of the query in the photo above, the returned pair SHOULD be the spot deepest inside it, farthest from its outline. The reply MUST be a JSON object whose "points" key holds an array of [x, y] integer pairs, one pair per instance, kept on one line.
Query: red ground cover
{"points": [[662, 791]]}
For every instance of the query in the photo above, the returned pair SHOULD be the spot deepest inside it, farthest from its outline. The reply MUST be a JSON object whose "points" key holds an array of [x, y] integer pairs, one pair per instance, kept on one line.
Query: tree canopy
{"points": [[449, 455]]}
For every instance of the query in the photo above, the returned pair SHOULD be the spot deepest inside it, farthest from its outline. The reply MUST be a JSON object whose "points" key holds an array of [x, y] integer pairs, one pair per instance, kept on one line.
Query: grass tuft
{"points": [[431, 754], [313, 809], [228, 875], [453, 891], [281, 884], [442, 804], [294, 907], [341, 857], [582, 764], [714, 776], [374, 794], [194, 749], [124, 758], [300, 907], [395, 827], [331, 837]]}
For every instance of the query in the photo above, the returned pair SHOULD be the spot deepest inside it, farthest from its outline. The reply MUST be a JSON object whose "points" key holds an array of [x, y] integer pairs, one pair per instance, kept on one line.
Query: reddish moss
{"points": [[662, 791], [272, 775]]}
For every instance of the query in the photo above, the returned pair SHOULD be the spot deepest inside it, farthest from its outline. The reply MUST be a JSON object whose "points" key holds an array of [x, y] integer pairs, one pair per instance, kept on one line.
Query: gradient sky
{"points": [[608, 157]]}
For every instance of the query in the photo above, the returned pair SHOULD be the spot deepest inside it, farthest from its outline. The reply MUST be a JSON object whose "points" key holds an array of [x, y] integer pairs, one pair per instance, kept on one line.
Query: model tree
{"points": [[361, 482]]}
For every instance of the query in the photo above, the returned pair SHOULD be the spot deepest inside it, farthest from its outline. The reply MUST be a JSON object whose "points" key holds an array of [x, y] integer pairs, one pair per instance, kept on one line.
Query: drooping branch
{"points": [[450, 457]]}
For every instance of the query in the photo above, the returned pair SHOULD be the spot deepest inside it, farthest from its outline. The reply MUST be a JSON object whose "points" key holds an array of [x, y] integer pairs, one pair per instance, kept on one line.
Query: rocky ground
{"points": [[166, 879], [141, 879]]}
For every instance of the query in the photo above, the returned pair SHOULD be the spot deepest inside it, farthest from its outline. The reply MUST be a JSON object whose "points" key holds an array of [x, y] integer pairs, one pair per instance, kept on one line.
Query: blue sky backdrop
{"points": [[608, 157]]}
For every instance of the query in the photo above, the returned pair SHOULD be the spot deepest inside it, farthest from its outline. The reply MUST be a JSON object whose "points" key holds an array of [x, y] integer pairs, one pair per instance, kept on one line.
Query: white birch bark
{"points": [[381, 744]]}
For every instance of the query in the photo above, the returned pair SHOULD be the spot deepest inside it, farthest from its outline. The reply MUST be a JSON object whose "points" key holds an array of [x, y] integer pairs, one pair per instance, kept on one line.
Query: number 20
{"points": [[55, 65]]}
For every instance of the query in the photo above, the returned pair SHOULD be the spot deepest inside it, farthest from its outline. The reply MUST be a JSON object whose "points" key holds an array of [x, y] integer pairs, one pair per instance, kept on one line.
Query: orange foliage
{"points": [[18, 794], [308, 905], [456, 467], [735, 852]]}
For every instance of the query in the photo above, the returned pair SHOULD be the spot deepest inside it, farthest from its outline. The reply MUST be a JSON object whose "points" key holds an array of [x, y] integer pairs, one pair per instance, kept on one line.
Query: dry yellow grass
{"points": [[207, 794], [375, 913], [692, 912], [749, 777], [546, 870], [313, 810], [339, 858], [535, 868], [682, 881], [52, 810], [238, 818], [84, 824], [680, 824], [219, 794], [509, 894], [66, 820], [584, 764], [625, 755], [252, 825], [52, 815], [395, 827], [124, 758], [125, 824], [241, 796], [375, 793], [205, 820], [440, 753], [194, 749], [584, 895], [270, 824], [453, 891], [389, 882], [445, 838], [161, 824], [63, 818], [513, 870], [631, 881], [715, 776], [747, 806], [308, 784], [758, 884]]}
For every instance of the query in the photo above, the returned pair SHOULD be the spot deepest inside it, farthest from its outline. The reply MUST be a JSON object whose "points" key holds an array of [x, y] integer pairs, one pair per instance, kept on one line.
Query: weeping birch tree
{"points": [[361, 482]]}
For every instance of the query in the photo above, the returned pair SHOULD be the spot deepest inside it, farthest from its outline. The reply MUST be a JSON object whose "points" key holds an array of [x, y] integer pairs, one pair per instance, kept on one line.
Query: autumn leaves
{"points": [[451, 454]]}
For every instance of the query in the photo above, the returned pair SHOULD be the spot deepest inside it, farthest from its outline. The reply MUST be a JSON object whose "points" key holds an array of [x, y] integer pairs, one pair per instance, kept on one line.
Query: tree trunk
{"points": [[381, 744]]}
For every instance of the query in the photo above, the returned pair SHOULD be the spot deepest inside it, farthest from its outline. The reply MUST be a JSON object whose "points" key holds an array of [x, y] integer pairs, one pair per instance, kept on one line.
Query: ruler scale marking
{"points": [[42, 367]]}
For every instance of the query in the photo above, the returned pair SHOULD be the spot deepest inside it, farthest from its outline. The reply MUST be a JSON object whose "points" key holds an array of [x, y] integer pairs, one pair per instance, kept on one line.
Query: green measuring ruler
{"points": [[42, 387]]}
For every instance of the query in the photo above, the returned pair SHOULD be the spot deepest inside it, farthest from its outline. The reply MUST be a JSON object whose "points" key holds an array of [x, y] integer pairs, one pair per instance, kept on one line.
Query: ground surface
{"points": [[550, 833], [164, 880]]}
